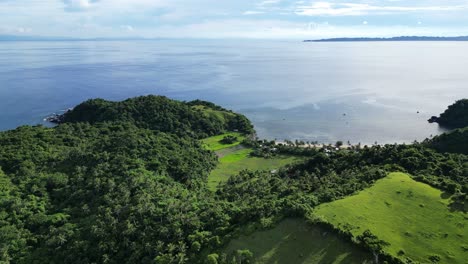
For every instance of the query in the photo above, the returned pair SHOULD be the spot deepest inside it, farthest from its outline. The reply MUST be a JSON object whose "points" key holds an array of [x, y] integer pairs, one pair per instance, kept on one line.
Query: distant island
{"points": [[402, 38]]}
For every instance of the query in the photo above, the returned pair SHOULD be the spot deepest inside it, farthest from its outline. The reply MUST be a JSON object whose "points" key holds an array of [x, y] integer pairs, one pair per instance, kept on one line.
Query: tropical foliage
{"points": [[456, 116], [126, 182]]}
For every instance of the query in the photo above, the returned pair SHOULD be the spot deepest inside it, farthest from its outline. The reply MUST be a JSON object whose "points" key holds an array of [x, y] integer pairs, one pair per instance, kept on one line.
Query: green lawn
{"points": [[233, 158], [214, 143], [413, 217], [233, 162], [296, 242]]}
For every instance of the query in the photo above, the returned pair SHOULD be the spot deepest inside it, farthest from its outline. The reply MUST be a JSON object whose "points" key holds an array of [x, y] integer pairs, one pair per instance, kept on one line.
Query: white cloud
{"points": [[248, 13], [356, 9], [78, 5], [240, 18], [268, 2]]}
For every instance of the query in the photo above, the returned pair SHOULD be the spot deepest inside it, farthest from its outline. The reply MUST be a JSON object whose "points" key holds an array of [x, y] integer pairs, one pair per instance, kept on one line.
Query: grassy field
{"points": [[233, 158], [413, 217], [214, 143], [294, 241], [235, 161]]}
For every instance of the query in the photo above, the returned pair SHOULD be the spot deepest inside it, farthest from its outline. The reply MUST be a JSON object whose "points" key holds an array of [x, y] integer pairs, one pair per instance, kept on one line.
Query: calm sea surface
{"points": [[361, 92]]}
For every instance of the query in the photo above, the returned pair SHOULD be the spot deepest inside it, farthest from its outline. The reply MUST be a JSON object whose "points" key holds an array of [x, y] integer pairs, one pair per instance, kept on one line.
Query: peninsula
{"points": [[401, 38]]}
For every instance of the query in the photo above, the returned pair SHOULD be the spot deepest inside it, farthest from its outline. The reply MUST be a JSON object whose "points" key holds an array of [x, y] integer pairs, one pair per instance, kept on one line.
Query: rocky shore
{"points": [[57, 118]]}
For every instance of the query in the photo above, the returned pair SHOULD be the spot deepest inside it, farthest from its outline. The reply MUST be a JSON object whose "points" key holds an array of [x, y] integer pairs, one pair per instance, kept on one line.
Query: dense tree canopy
{"points": [[455, 141], [126, 183], [197, 119], [456, 116]]}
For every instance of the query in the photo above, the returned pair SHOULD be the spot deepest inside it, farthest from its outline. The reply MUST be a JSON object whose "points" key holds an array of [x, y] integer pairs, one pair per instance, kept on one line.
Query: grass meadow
{"points": [[233, 158], [413, 217], [295, 241], [214, 143]]}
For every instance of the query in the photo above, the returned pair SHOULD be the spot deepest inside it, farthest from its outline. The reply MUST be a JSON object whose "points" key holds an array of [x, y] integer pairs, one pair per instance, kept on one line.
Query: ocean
{"points": [[363, 92]]}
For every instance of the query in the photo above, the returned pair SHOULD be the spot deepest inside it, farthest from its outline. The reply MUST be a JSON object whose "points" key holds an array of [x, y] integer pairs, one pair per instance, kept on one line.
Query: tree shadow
{"points": [[446, 195], [319, 246], [458, 206]]}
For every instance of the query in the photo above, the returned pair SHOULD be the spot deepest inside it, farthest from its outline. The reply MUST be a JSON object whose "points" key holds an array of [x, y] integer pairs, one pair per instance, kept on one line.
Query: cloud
{"points": [[127, 28], [356, 9], [241, 18], [249, 13], [268, 2], [78, 5], [278, 29]]}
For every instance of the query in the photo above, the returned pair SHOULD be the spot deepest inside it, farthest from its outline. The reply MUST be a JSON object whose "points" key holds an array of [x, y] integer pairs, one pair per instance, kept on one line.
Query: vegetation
{"points": [[128, 182], [236, 161], [229, 140], [455, 141], [197, 119], [234, 157], [85, 194], [217, 142], [414, 220], [456, 116], [295, 241]]}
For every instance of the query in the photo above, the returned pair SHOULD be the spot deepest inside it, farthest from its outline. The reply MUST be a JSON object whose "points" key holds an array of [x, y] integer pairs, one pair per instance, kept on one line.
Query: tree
{"points": [[244, 256], [339, 144], [229, 139], [373, 243], [212, 259]]}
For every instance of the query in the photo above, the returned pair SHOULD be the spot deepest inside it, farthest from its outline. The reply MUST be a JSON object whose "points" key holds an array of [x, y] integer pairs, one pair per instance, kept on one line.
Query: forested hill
{"points": [[197, 119], [126, 182], [456, 116], [115, 182]]}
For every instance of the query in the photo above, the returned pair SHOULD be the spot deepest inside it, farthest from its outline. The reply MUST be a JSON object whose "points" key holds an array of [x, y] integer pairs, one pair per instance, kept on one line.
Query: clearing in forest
{"points": [[233, 158]]}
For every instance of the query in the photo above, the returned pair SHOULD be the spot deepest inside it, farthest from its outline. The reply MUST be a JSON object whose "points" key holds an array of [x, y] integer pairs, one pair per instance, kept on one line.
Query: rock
{"points": [[433, 119], [57, 118]]}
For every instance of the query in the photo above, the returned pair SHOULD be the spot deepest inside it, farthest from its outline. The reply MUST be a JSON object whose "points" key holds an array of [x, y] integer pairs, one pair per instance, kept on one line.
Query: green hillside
{"points": [[295, 241], [413, 217]]}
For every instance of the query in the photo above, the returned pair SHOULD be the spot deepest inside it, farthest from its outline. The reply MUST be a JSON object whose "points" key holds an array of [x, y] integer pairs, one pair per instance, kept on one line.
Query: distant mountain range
{"points": [[403, 38]]}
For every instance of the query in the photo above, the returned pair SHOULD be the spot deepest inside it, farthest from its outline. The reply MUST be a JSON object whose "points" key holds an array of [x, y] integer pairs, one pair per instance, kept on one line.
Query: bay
{"points": [[359, 92]]}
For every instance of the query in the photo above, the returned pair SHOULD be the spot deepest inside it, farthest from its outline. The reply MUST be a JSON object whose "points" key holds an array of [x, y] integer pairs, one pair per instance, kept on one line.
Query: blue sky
{"points": [[233, 18]]}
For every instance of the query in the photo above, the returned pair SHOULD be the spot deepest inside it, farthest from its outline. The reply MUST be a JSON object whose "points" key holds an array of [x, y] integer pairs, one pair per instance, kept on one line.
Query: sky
{"points": [[262, 19]]}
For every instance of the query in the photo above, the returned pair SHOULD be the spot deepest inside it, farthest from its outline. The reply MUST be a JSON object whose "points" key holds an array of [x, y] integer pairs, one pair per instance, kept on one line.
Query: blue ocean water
{"points": [[357, 92]]}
